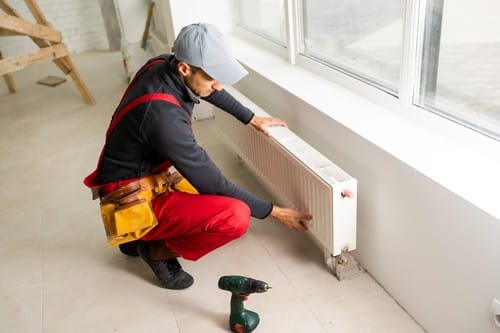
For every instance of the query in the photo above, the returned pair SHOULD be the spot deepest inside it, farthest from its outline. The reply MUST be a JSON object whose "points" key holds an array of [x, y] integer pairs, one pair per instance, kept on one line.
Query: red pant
{"points": [[192, 225]]}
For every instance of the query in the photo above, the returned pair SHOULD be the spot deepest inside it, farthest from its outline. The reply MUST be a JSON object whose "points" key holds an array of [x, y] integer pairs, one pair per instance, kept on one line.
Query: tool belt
{"points": [[127, 213]]}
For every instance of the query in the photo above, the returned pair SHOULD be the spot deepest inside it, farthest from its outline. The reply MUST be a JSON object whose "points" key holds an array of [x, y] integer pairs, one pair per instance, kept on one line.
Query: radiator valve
{"points": [[347, 193]]}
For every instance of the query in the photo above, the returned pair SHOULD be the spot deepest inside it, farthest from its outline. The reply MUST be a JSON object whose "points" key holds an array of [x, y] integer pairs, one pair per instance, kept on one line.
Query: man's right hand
{"points": [[291, 218]]}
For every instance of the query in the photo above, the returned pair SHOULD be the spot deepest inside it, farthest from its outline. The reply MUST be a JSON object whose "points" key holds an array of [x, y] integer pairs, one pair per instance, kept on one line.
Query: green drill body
{"points": [[242, 320]]}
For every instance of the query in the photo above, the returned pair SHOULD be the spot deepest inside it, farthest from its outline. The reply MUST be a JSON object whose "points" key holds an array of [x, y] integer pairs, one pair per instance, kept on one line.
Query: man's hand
{"points": [[291, 218], [262, 123]]}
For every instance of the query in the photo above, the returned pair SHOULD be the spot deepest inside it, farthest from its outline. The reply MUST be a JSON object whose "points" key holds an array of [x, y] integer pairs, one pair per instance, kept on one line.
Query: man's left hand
{"points": [[262, 123]]}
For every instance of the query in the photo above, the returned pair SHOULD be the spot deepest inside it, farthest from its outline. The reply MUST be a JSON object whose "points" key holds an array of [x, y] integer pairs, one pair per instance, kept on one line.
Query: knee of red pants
{"points": [[229, 225], [232, 222], [241, 218], [216, 215]]}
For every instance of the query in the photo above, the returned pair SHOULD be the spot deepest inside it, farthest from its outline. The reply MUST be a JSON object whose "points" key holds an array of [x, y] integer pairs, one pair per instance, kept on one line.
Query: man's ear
{"points": [[183, 69]]}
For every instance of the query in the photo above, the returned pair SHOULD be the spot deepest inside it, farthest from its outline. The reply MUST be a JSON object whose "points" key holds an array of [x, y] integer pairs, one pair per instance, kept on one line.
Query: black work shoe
{"points": [[130, 248], [169, 272]]}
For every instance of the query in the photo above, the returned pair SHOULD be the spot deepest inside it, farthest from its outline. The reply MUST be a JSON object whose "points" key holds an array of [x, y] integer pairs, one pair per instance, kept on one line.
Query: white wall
{"points": [[80, 22], [436, 253]]}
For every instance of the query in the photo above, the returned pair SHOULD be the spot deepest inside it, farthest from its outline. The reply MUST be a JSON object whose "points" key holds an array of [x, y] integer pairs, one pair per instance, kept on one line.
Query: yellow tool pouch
{"points": [[127, 213], [127, 223]]}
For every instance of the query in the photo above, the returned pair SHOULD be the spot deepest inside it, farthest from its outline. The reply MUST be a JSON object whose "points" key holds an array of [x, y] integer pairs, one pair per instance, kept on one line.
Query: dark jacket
{"points": [[156, 131]]}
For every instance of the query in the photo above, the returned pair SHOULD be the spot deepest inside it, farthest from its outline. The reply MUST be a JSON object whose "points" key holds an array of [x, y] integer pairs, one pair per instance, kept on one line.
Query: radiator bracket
{"points": [[343, 266]]}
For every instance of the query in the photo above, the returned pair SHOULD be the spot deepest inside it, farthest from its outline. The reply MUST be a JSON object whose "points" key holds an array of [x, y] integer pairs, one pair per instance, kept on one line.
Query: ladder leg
{"points": [[9, 80], [75, 75]]}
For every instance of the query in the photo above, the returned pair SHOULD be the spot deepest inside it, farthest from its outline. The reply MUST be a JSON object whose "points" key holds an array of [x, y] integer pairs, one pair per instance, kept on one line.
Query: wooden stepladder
{"points": [[48, 40]]}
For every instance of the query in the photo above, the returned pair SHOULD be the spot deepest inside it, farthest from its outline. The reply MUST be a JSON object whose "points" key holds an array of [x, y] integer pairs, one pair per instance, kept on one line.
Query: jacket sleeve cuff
{"points": [[269, 211], [250, 116]]}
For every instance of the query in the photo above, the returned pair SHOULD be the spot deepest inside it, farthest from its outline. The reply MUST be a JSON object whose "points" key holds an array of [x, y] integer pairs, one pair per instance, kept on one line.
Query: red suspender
{"points": [[90, 180], [139, 100]]}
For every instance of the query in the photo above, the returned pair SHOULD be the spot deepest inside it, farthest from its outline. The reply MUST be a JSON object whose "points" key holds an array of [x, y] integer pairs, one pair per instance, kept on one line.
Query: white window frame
{"points": [[262, 42], [405, 100]]}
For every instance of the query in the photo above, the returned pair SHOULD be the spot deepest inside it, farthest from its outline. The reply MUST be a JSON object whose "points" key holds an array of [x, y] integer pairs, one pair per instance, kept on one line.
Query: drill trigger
{"points": [[244, 297], [239, 328]]}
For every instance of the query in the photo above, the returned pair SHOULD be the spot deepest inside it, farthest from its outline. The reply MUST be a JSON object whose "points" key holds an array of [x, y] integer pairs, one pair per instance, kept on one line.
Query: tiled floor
{"points": [[58, 275]]}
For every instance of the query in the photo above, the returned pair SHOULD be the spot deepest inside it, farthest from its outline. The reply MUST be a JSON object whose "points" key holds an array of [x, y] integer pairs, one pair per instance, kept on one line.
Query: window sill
{"points": [[469, 163]]}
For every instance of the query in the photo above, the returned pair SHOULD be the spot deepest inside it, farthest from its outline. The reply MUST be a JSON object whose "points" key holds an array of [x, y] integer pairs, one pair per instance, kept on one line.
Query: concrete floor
{"points": [[59, 276]]}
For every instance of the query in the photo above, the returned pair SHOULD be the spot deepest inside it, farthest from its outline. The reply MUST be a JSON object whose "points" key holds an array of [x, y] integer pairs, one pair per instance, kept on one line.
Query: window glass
{"points": [[263, 17], [460, 74], [361, 38]]}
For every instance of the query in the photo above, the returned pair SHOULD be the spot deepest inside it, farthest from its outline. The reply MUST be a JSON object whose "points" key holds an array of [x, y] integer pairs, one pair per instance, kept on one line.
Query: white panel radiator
{"points": [[299, 177]]}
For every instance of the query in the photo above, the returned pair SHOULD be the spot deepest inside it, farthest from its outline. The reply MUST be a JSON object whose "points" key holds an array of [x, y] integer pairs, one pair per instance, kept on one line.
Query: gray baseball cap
{"points": [[203, 45]]}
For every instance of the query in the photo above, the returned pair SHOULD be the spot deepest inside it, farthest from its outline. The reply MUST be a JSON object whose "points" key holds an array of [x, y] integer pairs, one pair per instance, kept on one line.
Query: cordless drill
{"points": [[242, 320]]}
